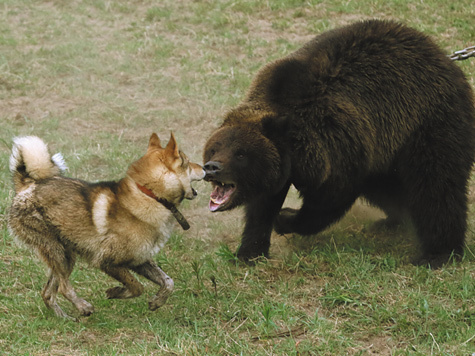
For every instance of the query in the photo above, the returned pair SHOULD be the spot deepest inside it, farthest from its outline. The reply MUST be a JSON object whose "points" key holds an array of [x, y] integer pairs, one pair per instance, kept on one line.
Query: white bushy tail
{"points": [[31, 160]]}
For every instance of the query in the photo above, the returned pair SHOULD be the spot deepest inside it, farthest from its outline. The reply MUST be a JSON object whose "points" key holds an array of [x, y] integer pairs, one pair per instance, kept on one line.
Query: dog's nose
{"points": [[212, 168]]}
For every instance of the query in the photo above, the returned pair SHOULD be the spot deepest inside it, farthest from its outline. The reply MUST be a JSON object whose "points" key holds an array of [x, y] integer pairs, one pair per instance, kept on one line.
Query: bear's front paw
{"points": [[436, 261], [284, 222], [250, 258], [250, 254]]}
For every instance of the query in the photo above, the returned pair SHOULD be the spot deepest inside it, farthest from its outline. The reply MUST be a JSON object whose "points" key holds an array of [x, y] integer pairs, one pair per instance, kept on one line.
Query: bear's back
{"points": [[363, 91], [368, 61]]}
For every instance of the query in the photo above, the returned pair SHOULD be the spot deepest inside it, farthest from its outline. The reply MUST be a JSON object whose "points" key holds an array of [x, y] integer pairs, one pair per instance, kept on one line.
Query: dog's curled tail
{"points": [[31, 161]]}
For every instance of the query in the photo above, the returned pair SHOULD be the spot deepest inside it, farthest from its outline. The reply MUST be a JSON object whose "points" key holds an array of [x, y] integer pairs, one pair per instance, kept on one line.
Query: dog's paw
{"points": [[157, 302], [117, 293], [59, 312], [85, 308]]}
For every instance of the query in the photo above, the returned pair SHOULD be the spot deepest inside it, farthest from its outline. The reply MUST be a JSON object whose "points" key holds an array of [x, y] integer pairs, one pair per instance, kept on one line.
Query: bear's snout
{"points": [[211, 169]]}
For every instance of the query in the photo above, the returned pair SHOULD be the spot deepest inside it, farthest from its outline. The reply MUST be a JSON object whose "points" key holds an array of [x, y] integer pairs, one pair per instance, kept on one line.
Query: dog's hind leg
{"points": [[49, 293], [67, 290], [152, 272], [61, 263], [131, 289], [61, 266]]}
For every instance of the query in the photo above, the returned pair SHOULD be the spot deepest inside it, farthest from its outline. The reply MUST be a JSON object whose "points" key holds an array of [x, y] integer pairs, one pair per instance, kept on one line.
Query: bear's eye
{"points": [[240, 155]]}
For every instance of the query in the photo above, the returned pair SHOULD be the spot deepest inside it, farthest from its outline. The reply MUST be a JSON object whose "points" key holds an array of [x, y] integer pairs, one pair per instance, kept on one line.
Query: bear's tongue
{"points": [[220, 195]]}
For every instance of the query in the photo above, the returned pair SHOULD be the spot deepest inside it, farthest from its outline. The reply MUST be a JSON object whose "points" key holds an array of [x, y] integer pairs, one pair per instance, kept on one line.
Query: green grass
{"points": [[95, 78]]}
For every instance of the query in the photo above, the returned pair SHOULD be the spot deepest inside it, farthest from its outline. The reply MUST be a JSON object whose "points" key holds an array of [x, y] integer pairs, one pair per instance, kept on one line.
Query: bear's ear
{"points": [[274, 126]]}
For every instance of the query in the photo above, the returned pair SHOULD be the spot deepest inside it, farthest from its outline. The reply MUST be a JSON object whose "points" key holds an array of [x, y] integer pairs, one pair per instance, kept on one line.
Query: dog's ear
{"points": [[172, 147], [154, 142]]}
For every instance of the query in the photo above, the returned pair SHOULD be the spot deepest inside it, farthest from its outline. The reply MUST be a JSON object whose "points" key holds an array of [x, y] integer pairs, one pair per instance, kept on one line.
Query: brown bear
{"points": [[374, 109]]}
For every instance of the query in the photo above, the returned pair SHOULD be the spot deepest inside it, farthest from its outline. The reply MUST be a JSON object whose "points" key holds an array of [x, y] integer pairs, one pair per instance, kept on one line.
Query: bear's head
{"points": [[242, 164]]}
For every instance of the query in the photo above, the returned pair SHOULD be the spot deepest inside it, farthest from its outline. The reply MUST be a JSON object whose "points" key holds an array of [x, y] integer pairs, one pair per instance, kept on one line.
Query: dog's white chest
{"points": [[161, 236]]}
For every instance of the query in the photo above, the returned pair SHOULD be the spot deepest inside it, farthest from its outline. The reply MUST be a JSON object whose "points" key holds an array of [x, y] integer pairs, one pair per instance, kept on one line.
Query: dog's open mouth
{"points": [[220, 195]]}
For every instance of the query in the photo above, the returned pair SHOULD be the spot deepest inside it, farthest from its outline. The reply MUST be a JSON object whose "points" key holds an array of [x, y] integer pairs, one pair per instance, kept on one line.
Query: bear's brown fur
{"points": [[374, 109]]}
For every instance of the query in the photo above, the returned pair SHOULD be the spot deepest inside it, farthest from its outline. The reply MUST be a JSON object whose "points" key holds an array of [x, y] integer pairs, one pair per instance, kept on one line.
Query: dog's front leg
{"points": [[131, 289], [152, 272]]}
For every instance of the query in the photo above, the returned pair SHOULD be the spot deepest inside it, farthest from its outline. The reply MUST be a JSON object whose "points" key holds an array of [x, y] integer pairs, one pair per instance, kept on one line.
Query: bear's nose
{"points": [[212, 168]]}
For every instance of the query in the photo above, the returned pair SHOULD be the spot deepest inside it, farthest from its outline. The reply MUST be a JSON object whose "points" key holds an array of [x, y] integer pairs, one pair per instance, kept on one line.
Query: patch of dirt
{"points": [[374, 345], [28, 109]]}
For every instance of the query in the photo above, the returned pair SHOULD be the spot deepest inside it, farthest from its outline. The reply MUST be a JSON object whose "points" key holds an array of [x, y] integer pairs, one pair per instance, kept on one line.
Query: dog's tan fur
{"points": [[113, 225]]}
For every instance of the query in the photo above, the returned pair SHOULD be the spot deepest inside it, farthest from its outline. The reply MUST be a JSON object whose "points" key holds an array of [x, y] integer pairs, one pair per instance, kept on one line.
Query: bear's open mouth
{"points": [[220, 195]]}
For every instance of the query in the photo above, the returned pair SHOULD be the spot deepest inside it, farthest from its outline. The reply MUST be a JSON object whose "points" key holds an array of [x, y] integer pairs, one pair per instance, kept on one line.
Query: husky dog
{"points": [[115, 226]]}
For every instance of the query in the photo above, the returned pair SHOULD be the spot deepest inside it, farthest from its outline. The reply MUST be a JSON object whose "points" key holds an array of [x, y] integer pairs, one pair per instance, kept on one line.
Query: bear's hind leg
{"points": [[439, 214], [440, 225], [435, 178]]}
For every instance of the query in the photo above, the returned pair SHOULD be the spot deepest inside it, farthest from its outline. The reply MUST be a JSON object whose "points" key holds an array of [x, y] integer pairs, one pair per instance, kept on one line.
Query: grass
{"points": [[95, 78]]}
